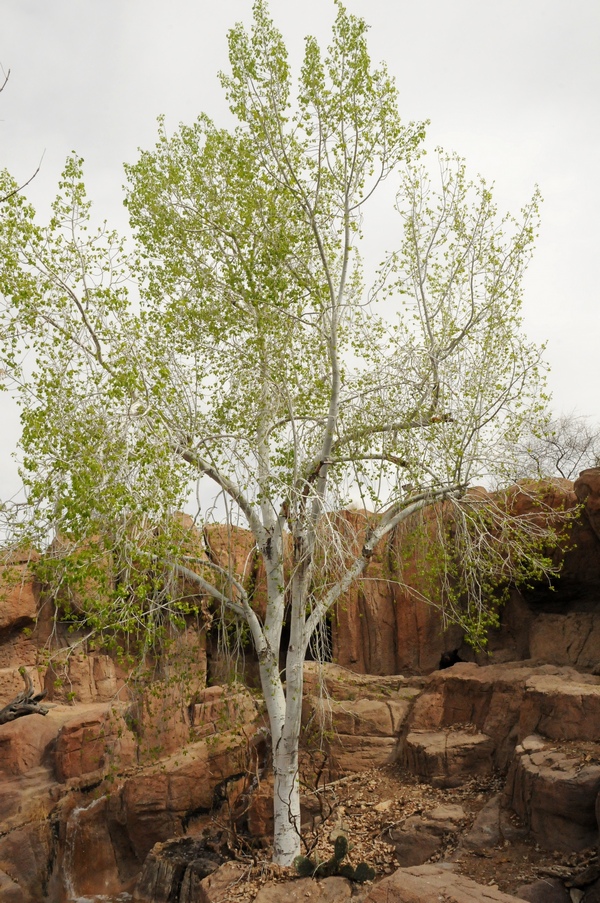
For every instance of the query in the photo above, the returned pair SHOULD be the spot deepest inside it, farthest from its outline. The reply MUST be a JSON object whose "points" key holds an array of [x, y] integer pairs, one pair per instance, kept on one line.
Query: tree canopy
{"points": [[238, 347]]}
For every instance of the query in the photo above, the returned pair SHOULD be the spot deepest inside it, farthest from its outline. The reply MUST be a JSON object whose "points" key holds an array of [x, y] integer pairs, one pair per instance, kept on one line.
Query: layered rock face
{"points": [[539, 724], [383, 628], [359, 717], [75, 775], [116, 765], [114, 774]]}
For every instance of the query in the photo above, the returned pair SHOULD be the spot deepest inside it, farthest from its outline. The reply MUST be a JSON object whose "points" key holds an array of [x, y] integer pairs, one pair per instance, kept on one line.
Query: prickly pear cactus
{"points": [[313, 868]]}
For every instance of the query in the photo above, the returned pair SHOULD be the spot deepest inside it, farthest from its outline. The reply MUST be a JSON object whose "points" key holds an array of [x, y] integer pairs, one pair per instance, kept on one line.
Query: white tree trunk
{"points": [[286, 735], [286, 801]]}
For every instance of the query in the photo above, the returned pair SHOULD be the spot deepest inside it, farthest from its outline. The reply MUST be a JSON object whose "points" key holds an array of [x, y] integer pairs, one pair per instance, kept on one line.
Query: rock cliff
{"points": [[122, 771]]}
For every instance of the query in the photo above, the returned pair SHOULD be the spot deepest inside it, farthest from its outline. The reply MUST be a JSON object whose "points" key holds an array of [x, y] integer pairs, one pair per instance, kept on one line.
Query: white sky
{"points": [[512, 85]]}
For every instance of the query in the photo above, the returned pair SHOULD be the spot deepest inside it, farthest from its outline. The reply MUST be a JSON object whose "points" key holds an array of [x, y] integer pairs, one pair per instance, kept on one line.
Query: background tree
{"points": [[256, 363], [561, 446], [4, 81]]}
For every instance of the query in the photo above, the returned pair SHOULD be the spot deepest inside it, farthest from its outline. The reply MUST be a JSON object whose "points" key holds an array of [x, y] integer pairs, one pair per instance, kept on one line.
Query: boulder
{"points": [[173, 871], [448, 758], [415, 842], [327, 890], [419, 837], [25, 742], [545, 890], [213, 888], [554, 792], [432, 883], [485, 832]]}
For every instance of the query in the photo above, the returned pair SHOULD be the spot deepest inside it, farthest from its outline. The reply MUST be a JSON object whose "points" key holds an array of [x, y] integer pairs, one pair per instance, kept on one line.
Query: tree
{"points": [[560, 446], [255, 362], [15, 189]]}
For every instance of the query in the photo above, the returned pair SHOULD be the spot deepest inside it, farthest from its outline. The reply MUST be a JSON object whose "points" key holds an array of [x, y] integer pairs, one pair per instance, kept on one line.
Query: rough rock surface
{"points": [[506, 703], [109, 775], [381, 628], [554, 791], [546, 890], [587, 490], [445, 758], [328, 890], [173, 870], [421, 836], [361, 715], [19, 595], [91, 740], [431, 884]]}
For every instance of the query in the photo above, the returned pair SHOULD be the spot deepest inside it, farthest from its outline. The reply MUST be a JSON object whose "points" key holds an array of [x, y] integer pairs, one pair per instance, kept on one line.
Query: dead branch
{"points": [[26, 703]]}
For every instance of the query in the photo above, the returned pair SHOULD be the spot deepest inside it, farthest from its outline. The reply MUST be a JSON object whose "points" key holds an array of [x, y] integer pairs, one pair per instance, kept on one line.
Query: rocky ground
{"points": [[392, 820]]}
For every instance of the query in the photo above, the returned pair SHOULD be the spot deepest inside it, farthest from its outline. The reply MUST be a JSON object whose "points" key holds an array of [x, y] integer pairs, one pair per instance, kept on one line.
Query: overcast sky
{"points": [[511, 85]]}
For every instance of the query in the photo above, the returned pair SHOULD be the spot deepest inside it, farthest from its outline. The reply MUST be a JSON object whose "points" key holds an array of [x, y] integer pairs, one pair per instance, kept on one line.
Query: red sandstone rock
{"points": [[25, 742], [93, 740], [360, 715], [174, 870], [561, 706], [17, 649], [213, 889], [84, 678], [430, 884], [587, 490], [328, 890], [24, 854], [153, 805], [508, 702], [566, 639], [260, 810], [11, 683], [18, 594], [219, 708], [554, 793], [448, 758], [381, 627], [88, 865]]}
